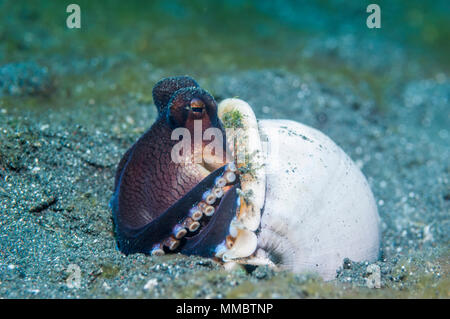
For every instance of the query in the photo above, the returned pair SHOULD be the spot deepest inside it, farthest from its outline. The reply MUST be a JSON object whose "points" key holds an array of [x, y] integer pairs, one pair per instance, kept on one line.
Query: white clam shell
{"points": [[249, 142], [318, 206]]}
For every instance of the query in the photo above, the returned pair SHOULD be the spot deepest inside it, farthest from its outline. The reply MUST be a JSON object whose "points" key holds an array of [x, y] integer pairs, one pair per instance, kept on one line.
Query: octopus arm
{"points": [[144, 238], [205, 242]]}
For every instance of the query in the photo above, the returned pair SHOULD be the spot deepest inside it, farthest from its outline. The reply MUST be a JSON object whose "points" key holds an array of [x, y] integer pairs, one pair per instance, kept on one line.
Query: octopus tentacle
{"points": [[206, 242], [142, 239], [172, 228]]}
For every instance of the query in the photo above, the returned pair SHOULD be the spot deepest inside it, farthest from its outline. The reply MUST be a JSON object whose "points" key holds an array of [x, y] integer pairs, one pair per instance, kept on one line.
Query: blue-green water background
{"points": [[250, 31], [203, 38]]}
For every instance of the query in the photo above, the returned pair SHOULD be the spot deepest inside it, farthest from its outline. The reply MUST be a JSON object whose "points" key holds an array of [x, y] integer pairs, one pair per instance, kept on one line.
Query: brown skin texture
{"points": [[149, 181]]}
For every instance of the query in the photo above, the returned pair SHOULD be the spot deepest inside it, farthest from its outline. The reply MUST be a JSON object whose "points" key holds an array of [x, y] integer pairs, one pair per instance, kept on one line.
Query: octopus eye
{"points": [[197, 105]]}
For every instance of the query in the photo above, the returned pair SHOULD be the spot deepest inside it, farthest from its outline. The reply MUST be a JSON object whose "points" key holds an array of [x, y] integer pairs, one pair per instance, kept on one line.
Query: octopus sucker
{"points": [[195, 213], [157, 250], [218, 192], [209, 197], [259, 189], [179, 231], [171, 243], [220, 182], [209, 210], [230, 177], [191, 224]]}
